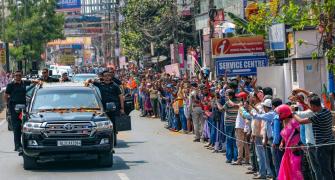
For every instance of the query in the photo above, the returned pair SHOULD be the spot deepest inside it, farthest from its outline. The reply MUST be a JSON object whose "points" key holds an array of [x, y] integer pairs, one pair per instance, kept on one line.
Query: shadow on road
{"points": [[91, 166], [87, 166], [127, 144]]}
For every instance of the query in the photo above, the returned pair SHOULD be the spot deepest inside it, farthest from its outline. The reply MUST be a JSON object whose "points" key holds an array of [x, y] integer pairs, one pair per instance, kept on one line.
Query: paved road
{"points": [[149, 152]]}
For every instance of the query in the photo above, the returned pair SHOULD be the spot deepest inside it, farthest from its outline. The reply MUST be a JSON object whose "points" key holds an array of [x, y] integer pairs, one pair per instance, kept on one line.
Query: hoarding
{"points": [[68, 5], [239, 55], [277, 37], [181, 55], [243, 65], [236, 46], [67, 59], [2, 56]]}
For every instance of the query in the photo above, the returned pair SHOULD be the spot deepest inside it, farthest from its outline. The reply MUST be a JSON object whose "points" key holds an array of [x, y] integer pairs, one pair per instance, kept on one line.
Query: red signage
{"points": [[219, 18], [237, 45]]}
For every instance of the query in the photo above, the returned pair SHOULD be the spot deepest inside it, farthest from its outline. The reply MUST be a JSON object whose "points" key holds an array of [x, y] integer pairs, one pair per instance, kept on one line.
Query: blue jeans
{"points": [[231, 148], [260, 152], [182, 119], [276, 157], [170, 117], [212, 129], [163, 111]]}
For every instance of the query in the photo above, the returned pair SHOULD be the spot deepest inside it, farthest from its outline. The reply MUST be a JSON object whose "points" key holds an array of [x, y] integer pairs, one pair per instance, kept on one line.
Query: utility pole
{"points": [[25, 15], [117, 35], [211, 14], [3, 30], [175, 31]]}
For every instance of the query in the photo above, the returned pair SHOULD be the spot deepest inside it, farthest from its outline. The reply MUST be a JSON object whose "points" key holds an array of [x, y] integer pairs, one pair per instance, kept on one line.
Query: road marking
{"points": [[123, 176], [2, 122]]}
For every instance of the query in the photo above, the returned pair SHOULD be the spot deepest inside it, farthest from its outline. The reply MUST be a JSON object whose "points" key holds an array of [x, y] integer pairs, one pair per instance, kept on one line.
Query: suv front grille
{"points": [[68, 129]]}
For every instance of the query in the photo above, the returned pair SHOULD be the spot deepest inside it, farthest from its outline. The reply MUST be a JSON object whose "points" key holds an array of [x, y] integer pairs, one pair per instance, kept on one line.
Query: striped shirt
{"points": [[230, 113], [322, 126]]}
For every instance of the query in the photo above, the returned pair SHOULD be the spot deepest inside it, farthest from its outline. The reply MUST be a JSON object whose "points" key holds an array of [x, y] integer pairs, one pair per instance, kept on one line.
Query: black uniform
{"points": [[110, 93], [17, 93], [49, 79], [116, 81]]}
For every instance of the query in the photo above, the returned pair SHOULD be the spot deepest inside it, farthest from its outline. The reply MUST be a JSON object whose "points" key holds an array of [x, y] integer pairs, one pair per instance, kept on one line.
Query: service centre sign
{"points": [[239, 55], [243, 66]]}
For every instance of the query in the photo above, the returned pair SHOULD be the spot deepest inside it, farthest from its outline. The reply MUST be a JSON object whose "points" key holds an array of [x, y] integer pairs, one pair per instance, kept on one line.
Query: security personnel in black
{"points": [[110, 93], [114, 79], [46, 78], [16, 94], [65, 78]]}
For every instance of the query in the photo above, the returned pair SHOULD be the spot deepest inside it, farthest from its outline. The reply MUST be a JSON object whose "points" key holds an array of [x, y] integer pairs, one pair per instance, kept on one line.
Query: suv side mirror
{"points": [[20, 107], [110, 107]]}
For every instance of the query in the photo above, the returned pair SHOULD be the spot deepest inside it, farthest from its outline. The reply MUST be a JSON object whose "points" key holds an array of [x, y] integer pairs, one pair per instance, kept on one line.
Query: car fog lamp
{"points": [[104, 141], [32, 143]]}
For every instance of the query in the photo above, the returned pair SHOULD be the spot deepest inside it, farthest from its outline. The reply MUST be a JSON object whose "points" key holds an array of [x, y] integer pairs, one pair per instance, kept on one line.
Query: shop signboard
{"points": [[243, 65], [236, 46], [67, 59], [2, 56], [68, 5], [239, 55]]}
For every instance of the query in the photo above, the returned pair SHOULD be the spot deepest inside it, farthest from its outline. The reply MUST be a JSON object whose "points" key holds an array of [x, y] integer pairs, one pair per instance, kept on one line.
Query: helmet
{"points": [[284, 111]]}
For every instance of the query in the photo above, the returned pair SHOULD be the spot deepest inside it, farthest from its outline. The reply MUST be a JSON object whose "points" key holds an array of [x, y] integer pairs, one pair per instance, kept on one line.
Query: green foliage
{"points": [[149, 21], [33, 24], [314, 55], [292, 14], [259, 23]]}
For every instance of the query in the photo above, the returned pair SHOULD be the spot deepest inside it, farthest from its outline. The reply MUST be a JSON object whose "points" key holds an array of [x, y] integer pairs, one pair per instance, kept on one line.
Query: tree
{"points": [[31, 25], [297, 15], [153, 21]]}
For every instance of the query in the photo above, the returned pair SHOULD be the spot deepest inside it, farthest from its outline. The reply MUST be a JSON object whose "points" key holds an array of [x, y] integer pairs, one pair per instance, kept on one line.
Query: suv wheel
{"points": [[29, 163], [106, 159]]}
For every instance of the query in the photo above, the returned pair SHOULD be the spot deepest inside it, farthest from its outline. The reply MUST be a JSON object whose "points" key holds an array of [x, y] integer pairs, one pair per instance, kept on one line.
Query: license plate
{"points": [[69, 143]]}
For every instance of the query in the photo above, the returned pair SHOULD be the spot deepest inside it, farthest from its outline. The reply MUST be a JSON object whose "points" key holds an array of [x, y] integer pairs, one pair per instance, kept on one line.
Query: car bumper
{"points": [[49, 147]]}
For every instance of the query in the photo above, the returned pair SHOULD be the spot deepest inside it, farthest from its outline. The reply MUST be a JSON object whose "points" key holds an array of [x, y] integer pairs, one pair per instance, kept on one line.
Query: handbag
{"points": [[123, 123]]}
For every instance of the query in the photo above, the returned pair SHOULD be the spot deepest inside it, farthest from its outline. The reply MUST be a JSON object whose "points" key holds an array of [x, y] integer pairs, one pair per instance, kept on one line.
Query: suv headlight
{"points": [[30, 127], [101, 125]]}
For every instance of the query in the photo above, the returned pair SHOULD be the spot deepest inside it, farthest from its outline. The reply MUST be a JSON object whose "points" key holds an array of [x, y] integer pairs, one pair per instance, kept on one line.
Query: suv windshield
{"points": [[65, 99]]}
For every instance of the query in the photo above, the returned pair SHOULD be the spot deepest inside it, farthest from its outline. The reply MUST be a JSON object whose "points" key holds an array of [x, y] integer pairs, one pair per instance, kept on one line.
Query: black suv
{"points": [[66, 122]]}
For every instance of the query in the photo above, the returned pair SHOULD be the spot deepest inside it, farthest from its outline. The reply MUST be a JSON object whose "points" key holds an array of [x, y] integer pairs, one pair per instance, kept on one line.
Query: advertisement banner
{"points": [[67, 59], [243, 65], [181, 54], [219, 18], [277, 37], [68, 4], [173, 60], [238, 46], [2, 56], [173, 69]]}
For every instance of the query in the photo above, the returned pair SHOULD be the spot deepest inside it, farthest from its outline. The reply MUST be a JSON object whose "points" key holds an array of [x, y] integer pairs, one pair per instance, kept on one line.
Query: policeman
{"points": [[16, 94], [65, 78], [110, 93], [114, 79], [46, 78]]}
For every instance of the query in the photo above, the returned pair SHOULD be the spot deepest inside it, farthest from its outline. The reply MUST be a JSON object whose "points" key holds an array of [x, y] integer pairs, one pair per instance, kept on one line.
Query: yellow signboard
{"points": [[67, 60], [3, 56]]}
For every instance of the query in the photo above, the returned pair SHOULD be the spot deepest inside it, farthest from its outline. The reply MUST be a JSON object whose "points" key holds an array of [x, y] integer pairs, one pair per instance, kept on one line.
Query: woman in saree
{"points": [[290, 167]]}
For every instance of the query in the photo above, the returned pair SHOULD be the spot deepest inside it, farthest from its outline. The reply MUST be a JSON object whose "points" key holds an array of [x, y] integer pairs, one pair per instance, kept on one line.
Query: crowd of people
{"points": [[278, 139]]}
